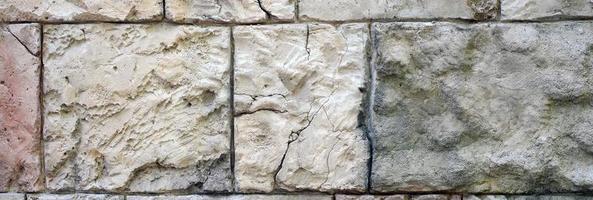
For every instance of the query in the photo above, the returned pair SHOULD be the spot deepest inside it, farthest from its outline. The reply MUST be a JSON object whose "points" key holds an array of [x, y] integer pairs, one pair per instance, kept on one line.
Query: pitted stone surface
{"points": [[240, 11], [342, 10], [140, 108], [74, 197], [234, 197], [80, 10], [542, 9], [502, 108], [298, 95], [20, 151], [370, 197]]}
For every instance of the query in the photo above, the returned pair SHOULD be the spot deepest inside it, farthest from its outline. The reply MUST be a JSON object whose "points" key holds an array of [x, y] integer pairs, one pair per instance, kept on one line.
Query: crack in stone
{"points": [[327, 163], [294, 135], [269, 14], [262, 109], [307, 42], [254, 97], [219, 6], [22, 43]]}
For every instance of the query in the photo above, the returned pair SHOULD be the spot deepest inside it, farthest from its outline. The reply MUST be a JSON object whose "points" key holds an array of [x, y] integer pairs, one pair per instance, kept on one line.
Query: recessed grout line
{"points": [[232, 105], [369, 104], [41, 110]]}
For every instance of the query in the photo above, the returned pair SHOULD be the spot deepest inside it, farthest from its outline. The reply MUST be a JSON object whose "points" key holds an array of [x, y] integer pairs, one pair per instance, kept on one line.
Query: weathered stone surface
{"points": [[80, 10], [398, 197], [139, 108], [545, 9], [74, 197], [20, 118], [241, 11], [12, 196], [370, 197], [435, 197], [341, 10], [298, 94], [234, 197], [502, 108], [543, 197]]}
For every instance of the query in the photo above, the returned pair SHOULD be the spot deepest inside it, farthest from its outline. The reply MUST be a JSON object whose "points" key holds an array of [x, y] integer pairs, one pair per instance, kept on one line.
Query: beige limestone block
{"points": [[344, 10], [235, 197], [298, 95], [545, 9], [74, 197], [12, 196], [370, 197], [141, 108], [80, 10], [240, 11]]}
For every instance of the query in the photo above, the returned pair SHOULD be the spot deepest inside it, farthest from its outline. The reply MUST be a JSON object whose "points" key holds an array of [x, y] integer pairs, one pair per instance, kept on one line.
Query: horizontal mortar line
{"points": [[178, 193], [485, 193], [411, 20], [306, 193]]}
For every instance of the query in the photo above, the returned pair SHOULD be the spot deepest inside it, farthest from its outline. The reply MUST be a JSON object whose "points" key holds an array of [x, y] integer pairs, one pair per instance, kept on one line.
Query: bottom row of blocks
{"points": [[15, 196]]}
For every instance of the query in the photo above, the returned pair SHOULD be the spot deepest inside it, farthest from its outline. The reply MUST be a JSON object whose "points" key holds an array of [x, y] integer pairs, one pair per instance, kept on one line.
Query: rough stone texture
{"points": [[502, 108], [12, 196], [80, 10], [370, 197], [342, 10], [241, 11], [20, 165], [435, 197], [74, 197], [140, 108], [545, 9], [298, 94], [544, 197], [234, 197]]}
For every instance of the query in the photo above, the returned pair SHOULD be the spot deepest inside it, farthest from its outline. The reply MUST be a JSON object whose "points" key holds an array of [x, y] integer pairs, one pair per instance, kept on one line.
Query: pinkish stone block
{"points": [[19, 108]]}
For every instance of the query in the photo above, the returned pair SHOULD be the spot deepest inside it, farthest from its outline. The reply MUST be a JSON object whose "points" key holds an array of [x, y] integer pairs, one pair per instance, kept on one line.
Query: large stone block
{"points": [[435, 197], [12, 196], [502, 108], [298, 95], [142, 108], [370, 197], [80, 10], [20, 119], [545, 9], [343, 10], [534, 197], [234, 197], [74, 197], [241, 11]]}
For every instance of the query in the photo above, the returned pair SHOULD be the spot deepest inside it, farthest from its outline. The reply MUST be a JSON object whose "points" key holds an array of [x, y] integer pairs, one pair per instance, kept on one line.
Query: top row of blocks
{"points": [[254, 11]]}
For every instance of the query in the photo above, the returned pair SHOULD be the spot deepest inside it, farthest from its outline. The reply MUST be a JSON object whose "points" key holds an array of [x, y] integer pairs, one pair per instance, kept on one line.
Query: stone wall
{"points": [[296, 99]]}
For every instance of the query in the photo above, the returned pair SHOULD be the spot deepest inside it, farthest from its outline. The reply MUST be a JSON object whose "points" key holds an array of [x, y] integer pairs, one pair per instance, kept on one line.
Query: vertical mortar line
{"points": [[164, 18], [40, 92], [369, 105], [499, 17], [296, 11], [232, 104]]}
